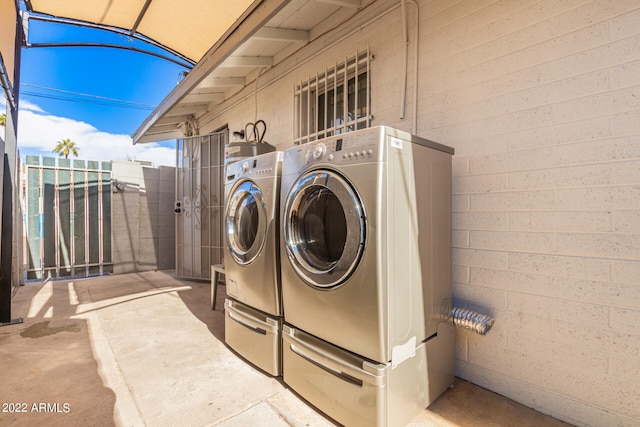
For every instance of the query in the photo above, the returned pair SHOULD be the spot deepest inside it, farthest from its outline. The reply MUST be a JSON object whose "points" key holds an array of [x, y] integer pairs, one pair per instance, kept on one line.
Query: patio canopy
{"points": [[188, 27], [230, 41]]}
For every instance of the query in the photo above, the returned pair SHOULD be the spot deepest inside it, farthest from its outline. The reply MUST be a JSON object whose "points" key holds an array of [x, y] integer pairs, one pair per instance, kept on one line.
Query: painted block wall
{"points": [[143, 221], [541, 101]]}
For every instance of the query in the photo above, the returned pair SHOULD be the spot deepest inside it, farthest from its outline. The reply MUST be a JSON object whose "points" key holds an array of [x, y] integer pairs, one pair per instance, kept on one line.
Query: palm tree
{"points": [[66, 147], [3, 119]]}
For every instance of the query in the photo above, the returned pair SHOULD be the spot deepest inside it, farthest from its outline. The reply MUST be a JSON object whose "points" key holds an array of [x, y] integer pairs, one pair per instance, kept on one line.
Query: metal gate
{"points": [[67, 209], [199, 204]]}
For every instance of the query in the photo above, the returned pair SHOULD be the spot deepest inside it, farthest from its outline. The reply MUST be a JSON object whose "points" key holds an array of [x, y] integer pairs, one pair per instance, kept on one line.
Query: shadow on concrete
{"points": [[69, 361], [198, 301], [50, 374], [195, 294]]}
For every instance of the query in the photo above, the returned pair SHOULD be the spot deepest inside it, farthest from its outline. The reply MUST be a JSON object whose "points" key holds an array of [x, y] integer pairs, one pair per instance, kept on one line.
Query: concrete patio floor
{"points": [[146, 349]]}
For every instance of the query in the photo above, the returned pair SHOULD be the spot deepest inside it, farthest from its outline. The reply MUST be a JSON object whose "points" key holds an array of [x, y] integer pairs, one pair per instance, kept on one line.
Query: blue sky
{"points": [[52, 108]]}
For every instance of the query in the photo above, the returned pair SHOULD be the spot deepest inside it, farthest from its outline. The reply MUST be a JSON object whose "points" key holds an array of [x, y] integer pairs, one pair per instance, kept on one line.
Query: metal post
{"points": [[6, 253]]}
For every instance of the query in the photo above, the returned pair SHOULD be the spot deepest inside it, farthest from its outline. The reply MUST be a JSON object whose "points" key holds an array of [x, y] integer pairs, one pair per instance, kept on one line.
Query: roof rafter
{"points": [[282, 34], [222, 82], [341, 3], [248, 61], [201, 98]]}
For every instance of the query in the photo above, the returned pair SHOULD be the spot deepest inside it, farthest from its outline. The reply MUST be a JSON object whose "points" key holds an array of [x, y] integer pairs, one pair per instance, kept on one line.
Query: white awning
{"points": [[189, 27]]}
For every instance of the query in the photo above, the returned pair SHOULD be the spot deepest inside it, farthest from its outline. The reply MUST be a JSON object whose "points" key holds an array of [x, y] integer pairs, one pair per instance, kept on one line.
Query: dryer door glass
{"points": [[245, 222], [324, 228]]}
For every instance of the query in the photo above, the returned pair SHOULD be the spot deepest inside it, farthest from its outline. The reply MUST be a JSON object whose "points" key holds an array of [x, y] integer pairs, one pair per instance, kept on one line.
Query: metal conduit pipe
{"points": [[416, 53], [6, 85], [472, 320], [405, 58], [405, 61]]}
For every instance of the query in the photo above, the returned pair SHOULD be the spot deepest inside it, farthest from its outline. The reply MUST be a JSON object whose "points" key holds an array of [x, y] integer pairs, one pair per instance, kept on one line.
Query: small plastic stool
{"points": [[217, 270]]}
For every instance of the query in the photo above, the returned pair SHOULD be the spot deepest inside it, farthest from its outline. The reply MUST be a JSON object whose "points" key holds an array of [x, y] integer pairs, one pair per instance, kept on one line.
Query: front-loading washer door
{"points": [[245, 222], [324, 228]]}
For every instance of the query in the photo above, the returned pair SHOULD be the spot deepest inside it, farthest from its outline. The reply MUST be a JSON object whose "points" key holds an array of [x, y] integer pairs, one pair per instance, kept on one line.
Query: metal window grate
{"points": [[335, 101]]}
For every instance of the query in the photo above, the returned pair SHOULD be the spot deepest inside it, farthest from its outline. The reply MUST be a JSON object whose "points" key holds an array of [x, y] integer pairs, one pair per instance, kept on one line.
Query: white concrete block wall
{"points": [[143, 221], [541, 101]]}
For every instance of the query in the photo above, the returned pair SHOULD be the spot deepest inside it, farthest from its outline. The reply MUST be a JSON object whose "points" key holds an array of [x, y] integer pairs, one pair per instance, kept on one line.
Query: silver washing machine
{"points": [[253, 309], [366, 274]]}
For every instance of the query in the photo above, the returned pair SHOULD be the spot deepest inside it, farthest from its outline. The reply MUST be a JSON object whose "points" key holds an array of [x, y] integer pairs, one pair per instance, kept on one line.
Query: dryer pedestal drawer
{"points": [[253, 335], [351, 390]]}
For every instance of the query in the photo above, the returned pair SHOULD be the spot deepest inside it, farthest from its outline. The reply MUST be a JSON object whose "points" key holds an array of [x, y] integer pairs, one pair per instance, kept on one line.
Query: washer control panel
{"points": [[358, 147], [373, 144], [263, 165]]}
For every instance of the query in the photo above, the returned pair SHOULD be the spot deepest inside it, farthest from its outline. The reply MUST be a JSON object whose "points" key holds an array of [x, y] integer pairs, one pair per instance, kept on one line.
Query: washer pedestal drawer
{"points": [[254, 336], [351, 390]]}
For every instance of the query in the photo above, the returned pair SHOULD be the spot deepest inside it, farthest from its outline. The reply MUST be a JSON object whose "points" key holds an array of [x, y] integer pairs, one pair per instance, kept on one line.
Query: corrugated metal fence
{"points": [[67, 208]]}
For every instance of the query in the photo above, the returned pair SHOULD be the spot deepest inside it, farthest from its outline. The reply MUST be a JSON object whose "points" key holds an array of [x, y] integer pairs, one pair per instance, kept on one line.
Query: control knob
{"points": [[319, 151]]}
